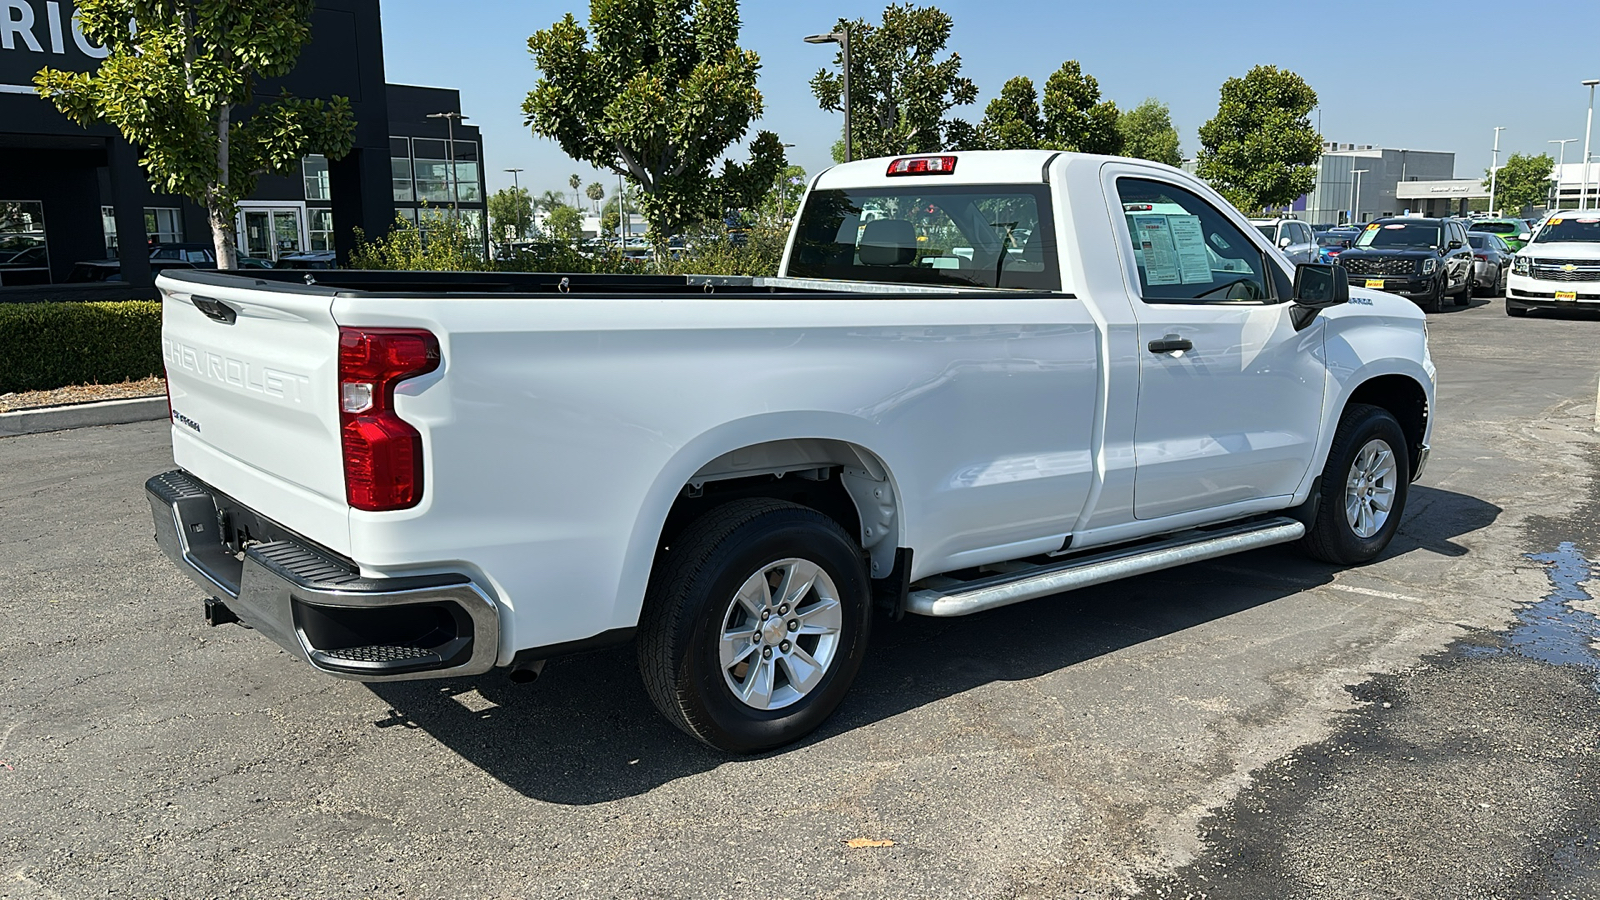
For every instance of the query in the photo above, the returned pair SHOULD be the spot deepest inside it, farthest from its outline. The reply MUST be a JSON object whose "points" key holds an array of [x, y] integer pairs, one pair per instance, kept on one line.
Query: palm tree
{"points": [[595, 192], [576, 183]]}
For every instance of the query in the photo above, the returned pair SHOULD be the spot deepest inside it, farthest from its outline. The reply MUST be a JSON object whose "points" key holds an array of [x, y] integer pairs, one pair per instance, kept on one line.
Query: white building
{"points": [[1569, 185]]}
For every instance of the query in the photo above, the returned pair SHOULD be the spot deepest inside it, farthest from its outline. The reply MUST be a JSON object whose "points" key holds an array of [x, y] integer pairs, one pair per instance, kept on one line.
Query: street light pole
{"points": [[1583, 201], [1494, 167], [450, 118], [1355, 193], [842, 38], [1561, 168], [516, 188]]}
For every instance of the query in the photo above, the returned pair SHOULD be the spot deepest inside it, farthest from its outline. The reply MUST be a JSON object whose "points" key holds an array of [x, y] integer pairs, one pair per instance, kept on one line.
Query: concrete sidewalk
{"points": [[82, 415]]}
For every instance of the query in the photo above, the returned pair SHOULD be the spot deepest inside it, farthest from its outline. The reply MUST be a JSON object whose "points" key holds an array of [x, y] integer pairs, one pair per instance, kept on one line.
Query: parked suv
{"points": [[1291, 236], [1422, 259]]}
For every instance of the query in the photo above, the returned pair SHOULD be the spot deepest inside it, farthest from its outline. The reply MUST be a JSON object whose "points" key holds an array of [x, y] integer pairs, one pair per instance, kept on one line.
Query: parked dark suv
{"points": [[1423, 259]]}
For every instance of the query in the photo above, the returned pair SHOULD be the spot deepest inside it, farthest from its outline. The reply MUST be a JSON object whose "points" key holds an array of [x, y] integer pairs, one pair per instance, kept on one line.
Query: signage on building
{"points": [[39, 33]]}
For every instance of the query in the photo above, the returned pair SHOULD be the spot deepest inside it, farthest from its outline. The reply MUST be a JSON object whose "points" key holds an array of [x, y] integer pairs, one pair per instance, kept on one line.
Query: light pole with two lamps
{"points": [[842, 38], [1560, 170], [516, 189], [450, 119], [1588, 127], [1494, 167], [1355, 193]]}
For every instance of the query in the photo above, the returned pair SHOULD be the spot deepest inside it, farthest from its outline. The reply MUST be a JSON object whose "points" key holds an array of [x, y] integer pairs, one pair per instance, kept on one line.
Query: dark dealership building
{"points": [[70, 194]]}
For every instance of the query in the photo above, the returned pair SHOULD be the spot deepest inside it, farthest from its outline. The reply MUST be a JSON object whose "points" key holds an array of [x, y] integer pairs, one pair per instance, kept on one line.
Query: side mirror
{"points": [[1285, 241], [1455, 245], [1317, 286], [1525, 237]]}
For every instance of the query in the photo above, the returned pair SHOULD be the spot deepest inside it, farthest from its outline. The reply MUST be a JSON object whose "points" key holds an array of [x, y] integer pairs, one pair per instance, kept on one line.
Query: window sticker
{"points": [[1154, 235], [1373, 227], [1392, 227], [1555, 221], [1194, 266]]}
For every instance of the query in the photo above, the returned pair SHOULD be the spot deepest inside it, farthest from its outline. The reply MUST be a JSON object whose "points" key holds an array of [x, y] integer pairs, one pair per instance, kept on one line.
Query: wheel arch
{"points": [[822, 461], [1406, 399]]}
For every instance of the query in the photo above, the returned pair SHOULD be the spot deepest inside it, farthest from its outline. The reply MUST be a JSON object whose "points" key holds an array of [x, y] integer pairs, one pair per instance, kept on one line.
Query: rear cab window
{"points": [[998, 235]]}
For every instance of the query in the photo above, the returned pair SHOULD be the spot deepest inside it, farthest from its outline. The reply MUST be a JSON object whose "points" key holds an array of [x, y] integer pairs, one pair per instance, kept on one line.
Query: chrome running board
{"points": [[953, 598]]}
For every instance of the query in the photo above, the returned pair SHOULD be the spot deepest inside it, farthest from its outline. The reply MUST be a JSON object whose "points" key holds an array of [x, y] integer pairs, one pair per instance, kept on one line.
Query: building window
{"points": [[24, 257], [321, 229], [433, 170], [467, 190], [314, 170], [163, 225], [400, 170], [108, 227]]}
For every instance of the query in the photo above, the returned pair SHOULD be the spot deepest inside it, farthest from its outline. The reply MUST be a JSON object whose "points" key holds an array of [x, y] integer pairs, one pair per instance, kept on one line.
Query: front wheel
{"points": [[1434, 302], [754, 624], [1364, 485]]}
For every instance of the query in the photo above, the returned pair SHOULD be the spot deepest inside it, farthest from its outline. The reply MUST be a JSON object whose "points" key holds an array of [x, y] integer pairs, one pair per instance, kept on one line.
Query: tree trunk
{"points": [[219, 207]]}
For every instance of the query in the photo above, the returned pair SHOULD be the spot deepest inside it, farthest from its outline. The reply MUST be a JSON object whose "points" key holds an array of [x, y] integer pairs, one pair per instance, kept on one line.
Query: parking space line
{"points": [[1370, 592]]}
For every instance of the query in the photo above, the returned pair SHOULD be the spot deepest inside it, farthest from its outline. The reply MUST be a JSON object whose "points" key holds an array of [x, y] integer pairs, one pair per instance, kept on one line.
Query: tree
{"points": [[782, 203], [575, 182], [1147, 133], [565, 223], [899, 90], [1075, 118], [1072, 117], [595, 192], [177, 81], [1012, 120], [510, 211], [658, 96], [550, 201], [1260, 149], [1523, 181]]}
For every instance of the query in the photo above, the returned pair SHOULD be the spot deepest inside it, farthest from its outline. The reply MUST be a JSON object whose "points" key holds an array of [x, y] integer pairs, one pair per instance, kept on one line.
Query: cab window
{"points": [[1186, 250]]}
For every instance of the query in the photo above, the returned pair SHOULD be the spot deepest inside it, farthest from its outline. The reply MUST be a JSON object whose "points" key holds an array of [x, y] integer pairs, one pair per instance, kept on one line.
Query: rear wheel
{"points": [[1364, 486], [754, 624], [1469, 288]]}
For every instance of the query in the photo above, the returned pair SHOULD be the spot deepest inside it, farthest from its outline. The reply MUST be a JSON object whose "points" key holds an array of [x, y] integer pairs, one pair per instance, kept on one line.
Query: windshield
{"points": [[927, 233], [1333, 239], [1480, 241], [1270, 231], [1496, 227], [1569, 228], [1399, 235]]}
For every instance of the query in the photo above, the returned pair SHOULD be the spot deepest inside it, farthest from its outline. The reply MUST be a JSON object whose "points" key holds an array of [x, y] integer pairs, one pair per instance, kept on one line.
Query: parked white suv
{"points": [[1292, 237]]}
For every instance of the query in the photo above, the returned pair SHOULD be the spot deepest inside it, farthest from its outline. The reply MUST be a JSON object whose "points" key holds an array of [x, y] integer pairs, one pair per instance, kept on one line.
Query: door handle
{"points": [[1171, 343]]}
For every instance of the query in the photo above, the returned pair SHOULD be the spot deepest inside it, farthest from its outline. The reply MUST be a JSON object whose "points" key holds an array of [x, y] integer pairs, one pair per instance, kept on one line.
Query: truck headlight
{"points": [[1429, 266], [1520, 264]]}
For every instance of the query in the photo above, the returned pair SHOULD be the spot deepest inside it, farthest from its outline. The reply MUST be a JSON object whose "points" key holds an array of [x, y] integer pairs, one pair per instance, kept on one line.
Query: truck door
{"points": [[1230, 394]]}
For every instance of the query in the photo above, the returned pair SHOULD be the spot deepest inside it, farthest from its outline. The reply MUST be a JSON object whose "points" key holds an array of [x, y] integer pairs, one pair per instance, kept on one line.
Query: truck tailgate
{"points": [[253, 376]]}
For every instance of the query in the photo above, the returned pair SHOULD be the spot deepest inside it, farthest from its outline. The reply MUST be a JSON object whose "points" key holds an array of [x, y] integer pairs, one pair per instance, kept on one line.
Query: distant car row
{"points": [[193, 256]]}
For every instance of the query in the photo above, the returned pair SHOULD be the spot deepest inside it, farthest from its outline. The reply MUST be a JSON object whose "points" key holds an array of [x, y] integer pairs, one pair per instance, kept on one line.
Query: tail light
{"points": [[1480, 257], [382, 453], [923, 165]]}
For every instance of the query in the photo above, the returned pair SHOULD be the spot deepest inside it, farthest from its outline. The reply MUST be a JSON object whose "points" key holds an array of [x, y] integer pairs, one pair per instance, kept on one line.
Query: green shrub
{"points": [[44, 346]]}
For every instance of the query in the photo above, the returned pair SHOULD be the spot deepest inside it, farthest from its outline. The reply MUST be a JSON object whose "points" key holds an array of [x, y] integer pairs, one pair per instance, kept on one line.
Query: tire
{"points": [[710, 591], [1434, 302], [1468, 289], [1515, 312], [1342, 533]]}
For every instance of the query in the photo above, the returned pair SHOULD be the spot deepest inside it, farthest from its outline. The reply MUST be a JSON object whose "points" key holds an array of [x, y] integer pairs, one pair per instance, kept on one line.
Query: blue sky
{"points": [[1418, 74]]}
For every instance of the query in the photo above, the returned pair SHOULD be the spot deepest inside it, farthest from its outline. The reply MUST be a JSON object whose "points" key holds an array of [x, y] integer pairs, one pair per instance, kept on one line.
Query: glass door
{"points": [[286, 231], [258, 234]]}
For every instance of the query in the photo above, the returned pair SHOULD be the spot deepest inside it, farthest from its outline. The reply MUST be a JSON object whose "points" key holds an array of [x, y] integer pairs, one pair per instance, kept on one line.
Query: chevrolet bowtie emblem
{"points": [[1569, 267]]}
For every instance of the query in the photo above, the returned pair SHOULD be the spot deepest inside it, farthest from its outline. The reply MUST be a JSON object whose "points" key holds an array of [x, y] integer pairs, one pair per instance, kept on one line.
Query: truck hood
{"points": [[1562, 250], [1384, 253]]}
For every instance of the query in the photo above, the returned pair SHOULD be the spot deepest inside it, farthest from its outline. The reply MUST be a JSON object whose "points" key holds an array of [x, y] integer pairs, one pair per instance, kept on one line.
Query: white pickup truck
{"points": [[979, 378]]}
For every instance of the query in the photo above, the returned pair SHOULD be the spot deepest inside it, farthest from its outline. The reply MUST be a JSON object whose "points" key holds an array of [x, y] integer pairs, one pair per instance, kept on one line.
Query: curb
{"points": [[82, 415]]}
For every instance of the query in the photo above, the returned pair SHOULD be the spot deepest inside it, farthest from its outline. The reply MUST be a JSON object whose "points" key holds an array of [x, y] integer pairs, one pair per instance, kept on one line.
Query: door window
{"points": [[1186, 250]]}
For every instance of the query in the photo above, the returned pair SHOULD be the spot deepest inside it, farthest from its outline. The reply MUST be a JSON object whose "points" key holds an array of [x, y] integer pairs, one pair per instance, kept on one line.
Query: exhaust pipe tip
{"points": [[528, 672]]}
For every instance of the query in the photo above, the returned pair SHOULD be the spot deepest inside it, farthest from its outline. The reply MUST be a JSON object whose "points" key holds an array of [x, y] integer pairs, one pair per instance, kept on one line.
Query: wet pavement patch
{"points": [[1554, 630]]}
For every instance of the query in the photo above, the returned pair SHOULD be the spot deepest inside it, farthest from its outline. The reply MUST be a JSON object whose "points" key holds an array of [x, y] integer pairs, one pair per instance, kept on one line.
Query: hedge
{"points": [[44, 346]]}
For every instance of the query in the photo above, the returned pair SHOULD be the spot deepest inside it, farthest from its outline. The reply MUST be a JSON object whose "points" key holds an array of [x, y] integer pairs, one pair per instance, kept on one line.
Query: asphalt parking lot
{"points": [[1262, 726]]}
